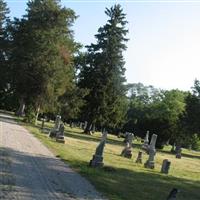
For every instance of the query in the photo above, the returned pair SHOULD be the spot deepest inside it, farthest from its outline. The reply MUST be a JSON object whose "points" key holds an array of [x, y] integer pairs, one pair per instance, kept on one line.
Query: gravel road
{"points": [[29, 171]]}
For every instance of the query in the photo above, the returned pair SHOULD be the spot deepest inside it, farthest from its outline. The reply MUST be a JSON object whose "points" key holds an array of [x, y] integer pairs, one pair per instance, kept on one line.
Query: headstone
{"points": [[165, 166], [126, 137], [172, 194], [85, 125], [178, 151], [97, 160], [139, 157], [119, 134], [81, 125], [56, 127], [60, 134], [90, 130], [57, 122], [152, 152], [145, 145], [93, 128], [127, 151], [71, 124]]}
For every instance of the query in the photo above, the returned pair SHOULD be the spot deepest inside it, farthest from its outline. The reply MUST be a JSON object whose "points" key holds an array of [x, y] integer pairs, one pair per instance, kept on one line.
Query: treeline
{"points": [[43, 71]]}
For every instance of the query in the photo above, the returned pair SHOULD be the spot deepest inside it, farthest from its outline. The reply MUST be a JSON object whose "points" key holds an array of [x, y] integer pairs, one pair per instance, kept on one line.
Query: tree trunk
{"points": [[20, 112], [37, 113]]}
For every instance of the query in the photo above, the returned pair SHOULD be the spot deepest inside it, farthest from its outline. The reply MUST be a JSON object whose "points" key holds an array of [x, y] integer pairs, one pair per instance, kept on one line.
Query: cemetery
{"points": [[101, 101], [98, 158]]}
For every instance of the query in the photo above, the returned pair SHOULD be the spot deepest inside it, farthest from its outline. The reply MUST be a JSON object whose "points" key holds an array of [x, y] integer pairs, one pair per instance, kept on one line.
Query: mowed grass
{"points": [[122, 178]]}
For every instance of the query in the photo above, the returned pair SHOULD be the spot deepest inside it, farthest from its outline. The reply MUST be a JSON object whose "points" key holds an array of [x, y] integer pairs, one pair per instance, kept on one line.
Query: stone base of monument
{"points": [[149, 164], [60, 139], [53, 133], [127, 153], [139, 158], [145, 146], [97, 161], [178, 155]]}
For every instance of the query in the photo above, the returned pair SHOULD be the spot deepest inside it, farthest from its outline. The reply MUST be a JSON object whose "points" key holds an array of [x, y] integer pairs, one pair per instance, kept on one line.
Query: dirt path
{"points": [[28, 170]]}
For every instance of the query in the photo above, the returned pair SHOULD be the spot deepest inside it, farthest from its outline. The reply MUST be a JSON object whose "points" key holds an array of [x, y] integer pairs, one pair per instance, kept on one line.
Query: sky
{"points": [[164, 37]]}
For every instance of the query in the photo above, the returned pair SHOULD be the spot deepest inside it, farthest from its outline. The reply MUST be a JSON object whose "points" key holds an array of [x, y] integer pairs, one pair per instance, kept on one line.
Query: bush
{"points": [[30, 115]]}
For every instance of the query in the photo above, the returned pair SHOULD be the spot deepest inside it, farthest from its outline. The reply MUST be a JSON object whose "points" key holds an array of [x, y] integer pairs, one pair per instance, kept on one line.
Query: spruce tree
{"points": [[4, 68], [103, 72], [43, 47]]}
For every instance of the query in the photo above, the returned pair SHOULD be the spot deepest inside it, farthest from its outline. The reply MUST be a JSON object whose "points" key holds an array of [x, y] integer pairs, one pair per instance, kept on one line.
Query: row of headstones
{"points": [[83, 126], [57, 131], [97, 160]]}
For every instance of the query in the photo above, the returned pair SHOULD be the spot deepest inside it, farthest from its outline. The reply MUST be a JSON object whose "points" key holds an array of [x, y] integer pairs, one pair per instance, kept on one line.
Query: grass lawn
{"points": [[122, 178]]}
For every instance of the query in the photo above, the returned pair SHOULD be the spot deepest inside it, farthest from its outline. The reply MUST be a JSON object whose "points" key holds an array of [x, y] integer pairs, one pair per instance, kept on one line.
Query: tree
{"points": [[43, 48], [4, 49], [191, 117], [103, 72], [155, 110]]}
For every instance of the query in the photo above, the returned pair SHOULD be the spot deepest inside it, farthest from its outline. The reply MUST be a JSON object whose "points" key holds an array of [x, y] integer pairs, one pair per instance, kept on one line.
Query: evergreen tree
{"points": [[103, 72], [4, 67], [191, 117], [43, 48]]}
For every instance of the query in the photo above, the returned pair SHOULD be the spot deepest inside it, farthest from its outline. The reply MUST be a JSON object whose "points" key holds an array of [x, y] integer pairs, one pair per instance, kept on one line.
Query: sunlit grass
{"points": [[122, 178]]}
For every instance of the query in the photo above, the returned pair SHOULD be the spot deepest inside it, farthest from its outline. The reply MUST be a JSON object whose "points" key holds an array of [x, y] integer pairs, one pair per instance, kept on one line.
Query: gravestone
{"points": [[178, 151], [165, 166], [97, 160], [56, 127], [93, 128], [145, 145], [126, 137], [139, 157], [152, 152], [85, 125], [71, 124], [127, 151], [172, 194], [90, 130], [60, 134], [81, 125]]}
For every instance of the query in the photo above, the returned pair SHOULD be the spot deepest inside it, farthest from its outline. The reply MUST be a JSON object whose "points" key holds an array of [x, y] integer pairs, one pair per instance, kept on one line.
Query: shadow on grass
{"points": [[124, 184], [85, 137], [8, 118], [183, 154]]}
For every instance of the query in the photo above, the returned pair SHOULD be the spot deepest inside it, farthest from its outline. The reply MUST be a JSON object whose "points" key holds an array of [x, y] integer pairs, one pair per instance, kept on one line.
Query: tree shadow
{"points": [[40, 177], [7, 119], [85, 137], [124, 184], [183, 154]]}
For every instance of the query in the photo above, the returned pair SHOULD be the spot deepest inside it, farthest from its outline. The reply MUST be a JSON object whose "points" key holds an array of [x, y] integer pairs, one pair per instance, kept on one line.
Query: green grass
{"points": [[122, 178]]}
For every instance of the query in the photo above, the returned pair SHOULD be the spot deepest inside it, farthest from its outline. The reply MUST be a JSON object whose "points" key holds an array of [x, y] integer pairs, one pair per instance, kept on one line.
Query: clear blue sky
{"points": [[164, 46]]}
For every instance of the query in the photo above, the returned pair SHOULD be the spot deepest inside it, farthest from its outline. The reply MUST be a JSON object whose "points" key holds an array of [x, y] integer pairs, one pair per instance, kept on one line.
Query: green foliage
{"points": [[72, 102], [191, 117], [43, 48], [4, 53], [102, 72], [155, 110], [30, 115]]}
